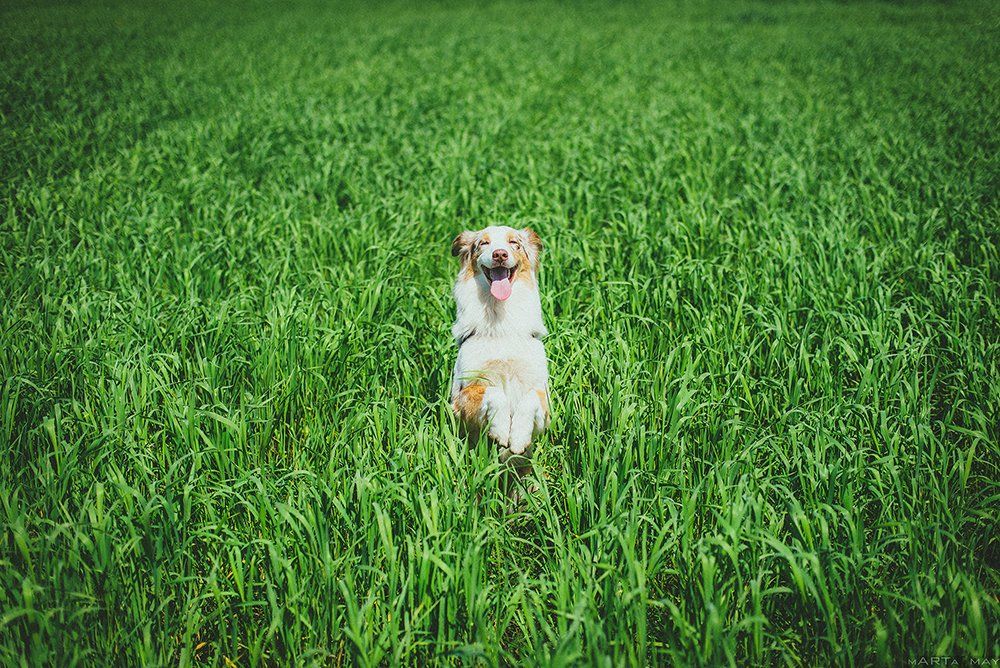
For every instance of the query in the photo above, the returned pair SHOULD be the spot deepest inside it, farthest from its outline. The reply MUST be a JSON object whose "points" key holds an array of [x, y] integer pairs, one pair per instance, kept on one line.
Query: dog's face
{"points": [[498, 257]]}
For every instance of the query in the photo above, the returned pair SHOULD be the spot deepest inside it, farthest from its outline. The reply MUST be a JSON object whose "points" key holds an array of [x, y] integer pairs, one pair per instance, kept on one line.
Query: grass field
{"points": [[771, 281]]}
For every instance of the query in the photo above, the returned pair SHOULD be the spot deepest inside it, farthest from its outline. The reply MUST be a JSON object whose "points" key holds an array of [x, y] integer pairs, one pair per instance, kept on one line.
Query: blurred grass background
{"points": [[771, 280]]}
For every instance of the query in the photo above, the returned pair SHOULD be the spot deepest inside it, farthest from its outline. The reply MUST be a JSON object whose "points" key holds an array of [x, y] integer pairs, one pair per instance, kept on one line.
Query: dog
{"points": [[501, 380]]}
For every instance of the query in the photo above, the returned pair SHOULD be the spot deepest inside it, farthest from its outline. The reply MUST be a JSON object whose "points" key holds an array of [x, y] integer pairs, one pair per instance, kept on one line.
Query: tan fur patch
{"points": [[501, 366], [544, 398], [468, 268], [523, 271], [494, 371], [467, 403]]}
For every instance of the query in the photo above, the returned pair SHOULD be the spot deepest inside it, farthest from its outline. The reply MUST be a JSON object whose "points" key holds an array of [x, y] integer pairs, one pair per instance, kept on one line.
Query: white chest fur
{"points": [[488, 330]]}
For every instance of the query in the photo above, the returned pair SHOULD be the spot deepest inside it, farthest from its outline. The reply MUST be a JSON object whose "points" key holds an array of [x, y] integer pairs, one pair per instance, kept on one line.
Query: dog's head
{"points": [[499, 256]]}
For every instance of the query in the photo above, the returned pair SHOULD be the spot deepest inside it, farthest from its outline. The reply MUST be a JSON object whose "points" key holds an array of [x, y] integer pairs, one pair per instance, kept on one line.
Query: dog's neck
{"points": [[479, 314]]}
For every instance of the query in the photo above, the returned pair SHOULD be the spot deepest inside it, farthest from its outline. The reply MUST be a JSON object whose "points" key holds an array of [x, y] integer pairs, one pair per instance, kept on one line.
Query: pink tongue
{"points": [[500, 289]]}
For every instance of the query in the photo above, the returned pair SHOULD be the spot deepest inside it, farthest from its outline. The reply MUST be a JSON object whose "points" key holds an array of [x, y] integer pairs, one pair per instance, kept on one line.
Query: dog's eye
{"points": [[515, 242]]}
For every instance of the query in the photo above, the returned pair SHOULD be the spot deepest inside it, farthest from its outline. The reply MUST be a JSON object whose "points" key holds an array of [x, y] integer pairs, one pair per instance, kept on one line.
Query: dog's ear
{"points": [[534, 242], [462, 243]]}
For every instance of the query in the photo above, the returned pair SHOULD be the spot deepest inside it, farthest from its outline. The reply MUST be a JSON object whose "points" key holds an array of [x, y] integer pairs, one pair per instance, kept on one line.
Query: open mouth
{"points": [[500, 281]]}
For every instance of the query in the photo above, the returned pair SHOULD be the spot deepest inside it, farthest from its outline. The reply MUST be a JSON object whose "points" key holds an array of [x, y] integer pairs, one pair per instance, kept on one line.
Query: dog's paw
{"points": [[500, 433], [518, 445]]}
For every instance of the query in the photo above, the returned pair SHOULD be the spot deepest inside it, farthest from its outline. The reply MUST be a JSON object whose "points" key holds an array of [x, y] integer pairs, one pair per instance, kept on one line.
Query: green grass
{"points": [[771, 282]]}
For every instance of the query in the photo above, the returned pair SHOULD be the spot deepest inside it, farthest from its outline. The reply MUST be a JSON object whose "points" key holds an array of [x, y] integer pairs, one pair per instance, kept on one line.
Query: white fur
{"points": [[502, 339]]}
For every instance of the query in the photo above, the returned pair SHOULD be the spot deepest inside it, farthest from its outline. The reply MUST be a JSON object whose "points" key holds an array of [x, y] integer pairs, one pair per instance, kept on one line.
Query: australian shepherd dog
{"points": [[501, 378]]}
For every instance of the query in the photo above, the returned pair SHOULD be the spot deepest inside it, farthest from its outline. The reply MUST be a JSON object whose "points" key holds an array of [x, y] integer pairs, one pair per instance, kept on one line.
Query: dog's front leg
{"points": [[496, 411], [525, 422]]}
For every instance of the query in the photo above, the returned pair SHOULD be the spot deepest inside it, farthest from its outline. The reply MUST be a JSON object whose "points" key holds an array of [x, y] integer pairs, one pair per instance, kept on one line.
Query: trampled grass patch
{"points": [[771, 282]]}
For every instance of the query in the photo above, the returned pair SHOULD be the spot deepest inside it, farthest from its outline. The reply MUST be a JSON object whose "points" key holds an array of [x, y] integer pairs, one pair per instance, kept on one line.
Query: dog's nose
{"points": [[500, 255]]}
